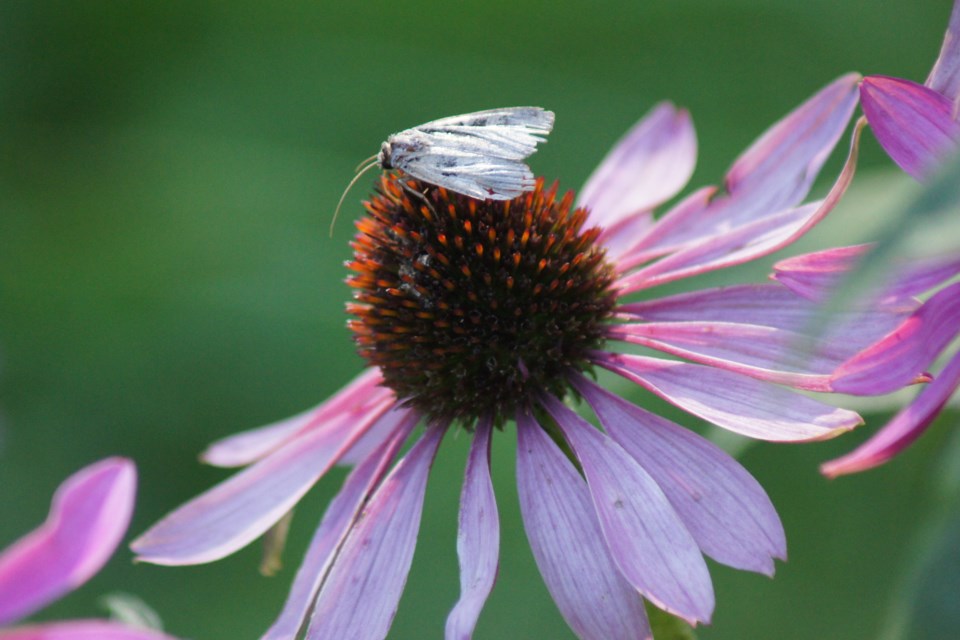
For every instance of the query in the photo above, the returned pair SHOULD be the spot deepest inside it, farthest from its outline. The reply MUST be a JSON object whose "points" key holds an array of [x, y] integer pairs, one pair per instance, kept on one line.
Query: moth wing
{"points": [[534, 119], [478, 177]]}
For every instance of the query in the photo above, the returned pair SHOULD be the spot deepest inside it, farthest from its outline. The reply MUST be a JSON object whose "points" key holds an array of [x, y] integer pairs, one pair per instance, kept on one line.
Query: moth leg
{"points": [[420, 196]]}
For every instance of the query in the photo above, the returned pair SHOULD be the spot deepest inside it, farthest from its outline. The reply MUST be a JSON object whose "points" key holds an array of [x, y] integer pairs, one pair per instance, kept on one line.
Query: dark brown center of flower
{"points": [[470, 307]]}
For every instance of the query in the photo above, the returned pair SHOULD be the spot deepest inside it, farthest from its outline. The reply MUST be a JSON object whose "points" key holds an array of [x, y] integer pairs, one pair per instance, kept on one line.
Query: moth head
{"points": [[383, 158]]}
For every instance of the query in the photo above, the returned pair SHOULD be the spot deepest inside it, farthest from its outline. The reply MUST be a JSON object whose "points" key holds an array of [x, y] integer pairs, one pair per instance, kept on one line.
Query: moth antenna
{"points": [[370, 164], [364, 163]]}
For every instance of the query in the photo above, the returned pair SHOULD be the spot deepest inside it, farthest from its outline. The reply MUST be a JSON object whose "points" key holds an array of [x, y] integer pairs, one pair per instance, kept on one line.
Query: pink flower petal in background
{"points": [[914, 124], [568, 545], [81, 630], [648, 166], [478, 537], [724, 508], [945, 75], [89, 514], [649, 543], [360, 594], [903, 429], [740, 404]]}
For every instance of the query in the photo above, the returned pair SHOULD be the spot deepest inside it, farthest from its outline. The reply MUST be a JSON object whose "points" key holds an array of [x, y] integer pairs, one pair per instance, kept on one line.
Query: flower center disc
{"points": [[470, 307]]}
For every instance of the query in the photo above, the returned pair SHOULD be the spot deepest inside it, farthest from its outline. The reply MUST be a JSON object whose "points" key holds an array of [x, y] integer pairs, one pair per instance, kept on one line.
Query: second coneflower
{"points": [[486, 314]]}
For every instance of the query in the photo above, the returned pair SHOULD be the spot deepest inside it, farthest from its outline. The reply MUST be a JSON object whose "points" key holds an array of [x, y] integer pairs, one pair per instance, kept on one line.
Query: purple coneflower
{"points": [[479, 313], [918, 124], [88, 517], [901, 357]]}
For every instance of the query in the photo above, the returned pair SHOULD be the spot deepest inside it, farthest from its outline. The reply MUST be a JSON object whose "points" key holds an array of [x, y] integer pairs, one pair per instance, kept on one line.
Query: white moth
{"points": [[476, 154]]}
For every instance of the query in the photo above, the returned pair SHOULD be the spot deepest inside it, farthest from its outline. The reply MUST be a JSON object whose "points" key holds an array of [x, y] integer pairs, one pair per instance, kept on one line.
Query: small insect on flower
{"points": [[476, 154]]}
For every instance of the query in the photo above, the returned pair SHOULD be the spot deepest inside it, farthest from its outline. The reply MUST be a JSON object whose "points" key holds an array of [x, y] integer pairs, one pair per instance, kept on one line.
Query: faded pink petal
{"points": [[235, 512], [360, 594], [649, 165], [774, 174], [765, 353], [743, 405], [724, 508], [478, 537], [568, 545], [649, 543], [902, 357], [350, 403], [945, 75], [903, 429], [82, 630], [914, 124], [746, 242], [817, 275], [336, 523], [89, 514]]}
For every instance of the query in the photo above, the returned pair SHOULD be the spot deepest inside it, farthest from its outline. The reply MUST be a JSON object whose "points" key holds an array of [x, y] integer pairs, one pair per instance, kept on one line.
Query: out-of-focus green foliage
{"points": [[167, 174]]}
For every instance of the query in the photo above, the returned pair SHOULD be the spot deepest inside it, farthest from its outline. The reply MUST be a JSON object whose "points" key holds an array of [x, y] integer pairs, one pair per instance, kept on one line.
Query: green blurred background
{"points": [[169, 170]]}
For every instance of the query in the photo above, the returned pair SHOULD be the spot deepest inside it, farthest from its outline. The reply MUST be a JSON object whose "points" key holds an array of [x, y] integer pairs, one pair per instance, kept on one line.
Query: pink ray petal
{"points": [[724, 508], [913, 124], [945, 75], [568, 545], [764, 353], [902, 357], [351, 402], [238, 510], [774, 174], [648, 541], [478, 538], [775, 306], [740, 244], [360, 595], [82, 630], [336, 523], [735, 402], [88, 516], [649, 165], [817, 275], [903, 429], [803, 356]]}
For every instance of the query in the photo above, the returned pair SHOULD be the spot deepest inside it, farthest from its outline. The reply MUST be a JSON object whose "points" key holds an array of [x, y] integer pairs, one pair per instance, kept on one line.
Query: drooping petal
{"points": [[82, 630], [913, 124], [359, 597], [340, 515], [735, 402], [724, 508], [746, 242], [649, 165], [88, 516], [945, 75], [346, 406], [902, 357], [568, 545], [648, 541], [478, 537], [774, 174], [903, 429], [238, 510]]}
